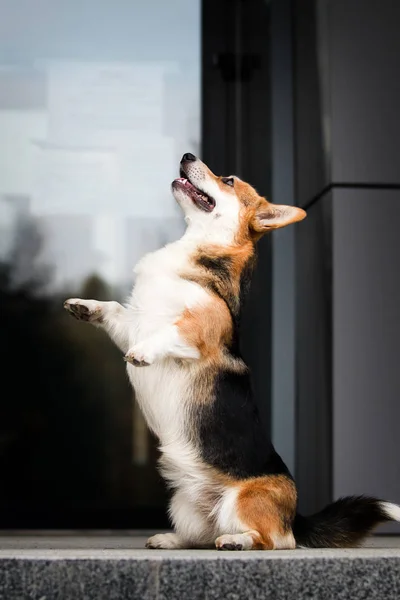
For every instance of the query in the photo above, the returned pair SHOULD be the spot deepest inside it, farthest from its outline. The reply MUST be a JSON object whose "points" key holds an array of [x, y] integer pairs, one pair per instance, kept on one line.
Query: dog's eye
{"points": [[228, 180]]}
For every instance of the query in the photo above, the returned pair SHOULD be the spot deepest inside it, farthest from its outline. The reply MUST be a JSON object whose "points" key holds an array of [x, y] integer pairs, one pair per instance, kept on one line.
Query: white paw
{"points": [[84, 310], [165, 541], [139, 355], [239, 541]]}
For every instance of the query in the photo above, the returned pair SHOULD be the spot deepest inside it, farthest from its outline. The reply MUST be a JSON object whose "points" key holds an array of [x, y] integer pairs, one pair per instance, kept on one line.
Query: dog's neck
{"points": [[200, 233]]}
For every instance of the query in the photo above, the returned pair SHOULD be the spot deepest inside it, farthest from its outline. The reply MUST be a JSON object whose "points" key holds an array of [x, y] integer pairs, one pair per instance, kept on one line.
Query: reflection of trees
{"points": [[25, 270], [65, 403]]}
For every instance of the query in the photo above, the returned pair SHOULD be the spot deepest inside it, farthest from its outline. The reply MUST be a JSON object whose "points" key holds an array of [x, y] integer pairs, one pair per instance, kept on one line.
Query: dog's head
{"points": [[227, 207]]}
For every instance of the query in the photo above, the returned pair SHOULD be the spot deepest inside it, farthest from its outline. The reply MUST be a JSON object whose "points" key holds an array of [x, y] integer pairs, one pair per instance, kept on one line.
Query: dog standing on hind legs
{"points": [[179, 334]]}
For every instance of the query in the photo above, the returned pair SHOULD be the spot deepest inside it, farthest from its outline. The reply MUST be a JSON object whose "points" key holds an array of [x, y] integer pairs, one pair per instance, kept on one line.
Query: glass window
{"points": [[98, 101]]}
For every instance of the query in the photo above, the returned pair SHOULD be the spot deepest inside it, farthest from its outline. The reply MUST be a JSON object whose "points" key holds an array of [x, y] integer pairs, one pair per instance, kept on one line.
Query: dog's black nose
{"points": [[188, 157]]}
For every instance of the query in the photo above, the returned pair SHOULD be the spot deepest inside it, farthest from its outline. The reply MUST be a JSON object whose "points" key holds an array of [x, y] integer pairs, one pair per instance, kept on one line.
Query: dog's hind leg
{"points": [[110, 316], [257, 514]]}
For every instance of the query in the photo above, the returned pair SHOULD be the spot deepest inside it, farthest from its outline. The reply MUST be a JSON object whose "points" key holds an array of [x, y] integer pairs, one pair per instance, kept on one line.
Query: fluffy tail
{"points": [[346, 522]]}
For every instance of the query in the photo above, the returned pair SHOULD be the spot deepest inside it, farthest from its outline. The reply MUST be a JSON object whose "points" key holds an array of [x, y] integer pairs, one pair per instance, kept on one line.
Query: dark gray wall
{"points": [[283, 263], [347, 172], [364, 88], [366, 334], [314, 357]]}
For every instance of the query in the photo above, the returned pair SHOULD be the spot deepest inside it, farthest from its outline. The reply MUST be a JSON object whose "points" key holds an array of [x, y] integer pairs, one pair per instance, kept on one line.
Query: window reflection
{"points": [[91, 133]]}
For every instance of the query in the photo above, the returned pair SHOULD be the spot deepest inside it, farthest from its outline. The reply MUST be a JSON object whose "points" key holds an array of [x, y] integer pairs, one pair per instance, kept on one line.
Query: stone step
{"points": [[110, 568]]}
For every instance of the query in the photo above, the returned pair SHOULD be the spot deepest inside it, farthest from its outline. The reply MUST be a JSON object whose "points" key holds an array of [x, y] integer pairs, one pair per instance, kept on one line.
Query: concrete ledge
{"points": [[105, 569]]}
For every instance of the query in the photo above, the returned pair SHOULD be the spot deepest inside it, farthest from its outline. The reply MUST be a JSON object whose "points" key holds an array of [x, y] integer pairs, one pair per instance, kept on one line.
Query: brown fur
{"points": [[267, 506], [237, 258], [207, 328], [257, 215], [252, 203], [227, 283]]}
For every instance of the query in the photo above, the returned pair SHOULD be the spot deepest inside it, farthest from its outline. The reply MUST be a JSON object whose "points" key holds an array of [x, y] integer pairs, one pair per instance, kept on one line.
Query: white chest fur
{"points": [[159, 298], [160, 294]]}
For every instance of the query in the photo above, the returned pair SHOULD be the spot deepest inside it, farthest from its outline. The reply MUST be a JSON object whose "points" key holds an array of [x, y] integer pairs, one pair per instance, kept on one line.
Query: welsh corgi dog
{"points": [[179, 334]]}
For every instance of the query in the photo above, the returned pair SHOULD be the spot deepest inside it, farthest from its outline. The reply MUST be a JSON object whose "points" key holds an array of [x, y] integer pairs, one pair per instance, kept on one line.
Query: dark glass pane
{"points": [[98, 100]]}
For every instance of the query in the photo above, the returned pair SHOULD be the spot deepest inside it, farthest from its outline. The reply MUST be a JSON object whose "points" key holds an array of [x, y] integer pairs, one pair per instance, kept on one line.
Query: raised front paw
{"points": [[139, 356], [84, 310]]}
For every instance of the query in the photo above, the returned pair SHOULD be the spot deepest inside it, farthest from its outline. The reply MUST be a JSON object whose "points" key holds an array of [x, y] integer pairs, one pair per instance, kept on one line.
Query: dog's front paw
{"points": [[164, 541], [84, 310], [138, 356]]}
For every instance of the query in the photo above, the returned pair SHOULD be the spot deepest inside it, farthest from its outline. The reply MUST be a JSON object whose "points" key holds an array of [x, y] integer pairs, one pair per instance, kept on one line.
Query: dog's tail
{"points": [[344, 523]]}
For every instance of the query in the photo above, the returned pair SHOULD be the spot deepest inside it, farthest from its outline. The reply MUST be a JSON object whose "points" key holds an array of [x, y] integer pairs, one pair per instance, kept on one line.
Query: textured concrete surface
{"points": [[114, 567]]}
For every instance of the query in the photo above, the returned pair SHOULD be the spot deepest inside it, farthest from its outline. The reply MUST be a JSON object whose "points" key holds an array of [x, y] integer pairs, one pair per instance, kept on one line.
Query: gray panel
{"points": [[365, 90], [347, 93], [313, 357], [311, 155], [283, 261], [366, 311]]}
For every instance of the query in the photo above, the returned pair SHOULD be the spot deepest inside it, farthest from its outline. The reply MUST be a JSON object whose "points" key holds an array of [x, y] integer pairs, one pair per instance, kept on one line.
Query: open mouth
{"points": [[202, 200]]}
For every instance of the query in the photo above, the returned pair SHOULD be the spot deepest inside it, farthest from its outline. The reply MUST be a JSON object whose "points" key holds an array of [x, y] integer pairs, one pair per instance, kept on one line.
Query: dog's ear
{"points": [[273, 216]]}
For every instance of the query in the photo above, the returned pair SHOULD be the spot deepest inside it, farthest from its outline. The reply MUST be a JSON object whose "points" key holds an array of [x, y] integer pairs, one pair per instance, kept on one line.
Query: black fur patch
{"points": [[220, 265], [245, 278], [346, 522], [221, 285], [245, 281], [231, 436]]}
